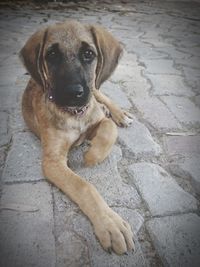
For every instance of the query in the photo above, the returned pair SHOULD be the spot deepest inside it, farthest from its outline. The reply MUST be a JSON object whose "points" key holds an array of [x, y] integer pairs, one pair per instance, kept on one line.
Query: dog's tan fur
{"points": [[59, 131]]}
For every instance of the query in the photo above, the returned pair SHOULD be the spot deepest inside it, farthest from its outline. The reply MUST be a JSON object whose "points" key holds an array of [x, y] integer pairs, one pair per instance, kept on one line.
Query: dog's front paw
{"points": [[114, 233], [122, 118]]}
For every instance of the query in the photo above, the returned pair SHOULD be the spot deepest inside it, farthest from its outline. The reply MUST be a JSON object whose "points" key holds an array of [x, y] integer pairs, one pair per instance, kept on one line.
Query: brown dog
{"points": [[61, 104]]}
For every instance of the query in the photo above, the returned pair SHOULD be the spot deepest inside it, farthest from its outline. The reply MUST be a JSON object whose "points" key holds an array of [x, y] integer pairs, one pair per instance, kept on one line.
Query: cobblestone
{"points": [[26, 226], [182, 144], [188, 166], [177, 239], [156, 113], [24, 159], [106, 178], [184, 110], [4, 131], [153, 170], [118, 96], [169, 85], [161, 193], [139, 141], [160, 66]]}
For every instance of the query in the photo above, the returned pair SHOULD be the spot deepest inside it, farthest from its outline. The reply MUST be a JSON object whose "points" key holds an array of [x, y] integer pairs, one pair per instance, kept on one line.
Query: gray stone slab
{"points": [[70, 243], [188, 166], [115, 93], [197, 100], [182, 144], [105, 176], [4, 129], [192, 77], [123, 73], [26, 226], [2, 159], [100, 258], [138, 87], [156, 113], [84, 242], [177, 239], [139, 141], [123, 197], [17, 122], [24, 159], [164, 84], [161, 193], [160, 66], [184, 110]]}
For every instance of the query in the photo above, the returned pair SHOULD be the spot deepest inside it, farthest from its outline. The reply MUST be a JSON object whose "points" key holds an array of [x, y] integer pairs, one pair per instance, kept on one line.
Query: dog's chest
{"points": [[74, 128]]}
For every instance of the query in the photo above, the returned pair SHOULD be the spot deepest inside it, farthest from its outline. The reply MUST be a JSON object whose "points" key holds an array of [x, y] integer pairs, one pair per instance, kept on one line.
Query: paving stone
{"points": [[197, 100], [26, 226], [106, 178], [192, 77], [149, 53], [138, 85], [190, 165], [115, 93], [17, 123], [7, 100], [2, 159], [139, 141], [177, 239], [24, 159], [192, 62], [159, 190], [69, 243], [169, 85], [79, 224], [11, 65], [156, 113], [160, 66], [182, 144], [123, 73], [184, 110], [4, 131]]}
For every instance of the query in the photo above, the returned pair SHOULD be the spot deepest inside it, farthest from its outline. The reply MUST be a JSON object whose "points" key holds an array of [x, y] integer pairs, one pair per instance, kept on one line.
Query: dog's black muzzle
{"points": [[72, 95]]}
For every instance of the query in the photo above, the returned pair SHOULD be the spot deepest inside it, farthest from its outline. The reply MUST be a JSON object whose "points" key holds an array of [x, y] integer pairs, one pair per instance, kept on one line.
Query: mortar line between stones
{"points": [[148, 218], [24, 182]]}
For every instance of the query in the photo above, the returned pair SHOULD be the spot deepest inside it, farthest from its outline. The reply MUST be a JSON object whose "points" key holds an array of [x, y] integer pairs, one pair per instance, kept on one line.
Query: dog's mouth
{"points": [[74, 110]]}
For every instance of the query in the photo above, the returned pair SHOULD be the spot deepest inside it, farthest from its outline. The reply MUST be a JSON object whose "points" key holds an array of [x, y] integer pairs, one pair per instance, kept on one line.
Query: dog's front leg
{"points": [[101, 143], [112, 231], [120, 117]]}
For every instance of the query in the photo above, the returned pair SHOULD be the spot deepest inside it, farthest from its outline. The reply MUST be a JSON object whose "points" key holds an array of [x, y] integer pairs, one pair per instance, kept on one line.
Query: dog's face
{"points": [[69, 60]]}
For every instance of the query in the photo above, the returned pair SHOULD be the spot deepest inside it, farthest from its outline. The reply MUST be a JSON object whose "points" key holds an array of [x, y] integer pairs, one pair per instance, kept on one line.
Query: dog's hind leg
{"points": [[101, 143]]}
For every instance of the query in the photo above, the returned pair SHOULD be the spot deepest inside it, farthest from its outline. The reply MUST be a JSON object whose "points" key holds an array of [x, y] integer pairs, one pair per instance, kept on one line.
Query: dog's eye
{"points": [[88, 56], [53, 54]]}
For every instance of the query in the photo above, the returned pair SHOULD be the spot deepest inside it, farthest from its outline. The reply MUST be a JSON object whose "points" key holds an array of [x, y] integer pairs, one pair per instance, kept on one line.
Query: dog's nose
{"points": [[76, 90]]}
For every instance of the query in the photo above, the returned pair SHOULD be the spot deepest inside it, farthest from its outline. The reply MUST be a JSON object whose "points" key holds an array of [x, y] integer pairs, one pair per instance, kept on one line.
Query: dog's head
{"points": [[69, 59]]}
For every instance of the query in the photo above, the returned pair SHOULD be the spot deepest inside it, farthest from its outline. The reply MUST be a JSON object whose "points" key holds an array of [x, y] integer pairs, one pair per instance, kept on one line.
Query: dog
{"points": [[63, 106]]}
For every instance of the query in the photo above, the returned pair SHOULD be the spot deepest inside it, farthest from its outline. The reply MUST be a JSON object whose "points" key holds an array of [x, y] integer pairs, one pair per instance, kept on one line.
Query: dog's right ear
{"points": [[31, 55]]}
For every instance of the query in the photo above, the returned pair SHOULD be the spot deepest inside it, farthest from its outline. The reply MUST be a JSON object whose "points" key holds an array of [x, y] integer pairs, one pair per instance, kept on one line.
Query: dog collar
{"points": [[76, 111]]}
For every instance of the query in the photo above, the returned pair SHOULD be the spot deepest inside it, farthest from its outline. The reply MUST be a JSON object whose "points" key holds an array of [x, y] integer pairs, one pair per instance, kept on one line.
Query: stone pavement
{"points": [[151, 178]]}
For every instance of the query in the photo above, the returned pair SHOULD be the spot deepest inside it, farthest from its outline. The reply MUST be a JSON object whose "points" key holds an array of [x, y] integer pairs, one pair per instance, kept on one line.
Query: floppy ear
{"points": [[32, 54], [109, 51]]}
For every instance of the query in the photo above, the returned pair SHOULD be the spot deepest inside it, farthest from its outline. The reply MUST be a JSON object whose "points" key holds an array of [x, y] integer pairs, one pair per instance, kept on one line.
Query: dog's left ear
{"points": [[109, 52]]}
